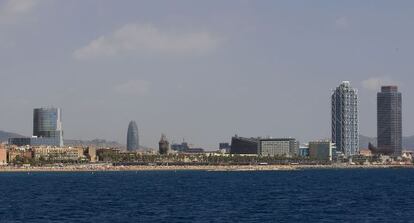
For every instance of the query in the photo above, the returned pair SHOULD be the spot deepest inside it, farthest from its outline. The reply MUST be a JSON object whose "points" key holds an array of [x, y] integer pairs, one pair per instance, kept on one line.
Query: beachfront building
{"points": [[47, 129], [321, 150], [287, 147], [58, 153], [107, 154], [345, 124], [18, 152], [389, 121], [242, 145], [303, 151], [3, 155], [92, 155], [224, 147]]}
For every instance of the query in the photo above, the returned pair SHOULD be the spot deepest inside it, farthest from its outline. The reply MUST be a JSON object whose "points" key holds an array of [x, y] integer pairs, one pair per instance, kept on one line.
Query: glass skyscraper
{"points": [[47, 126], [345, 123], [132, 137], [47, 129], [389, 121]]}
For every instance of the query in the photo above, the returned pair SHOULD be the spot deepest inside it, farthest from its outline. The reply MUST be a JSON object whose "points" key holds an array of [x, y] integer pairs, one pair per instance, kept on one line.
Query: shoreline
{"points": [[212, 168]]}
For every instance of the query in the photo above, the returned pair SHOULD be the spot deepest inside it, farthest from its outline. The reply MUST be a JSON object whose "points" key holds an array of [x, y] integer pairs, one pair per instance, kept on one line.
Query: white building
{"points": [[345, 123]]}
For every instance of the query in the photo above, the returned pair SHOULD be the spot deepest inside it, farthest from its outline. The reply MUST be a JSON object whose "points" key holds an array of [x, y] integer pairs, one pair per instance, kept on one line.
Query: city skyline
{"points": [[251, 68]]}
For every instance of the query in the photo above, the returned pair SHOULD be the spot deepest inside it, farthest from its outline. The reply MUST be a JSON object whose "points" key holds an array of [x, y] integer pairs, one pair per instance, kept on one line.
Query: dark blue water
{"points": [[194, 196]]}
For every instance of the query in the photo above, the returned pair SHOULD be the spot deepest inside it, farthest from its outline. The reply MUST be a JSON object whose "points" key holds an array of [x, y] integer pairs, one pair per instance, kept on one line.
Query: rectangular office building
{"points": [[322, 150], [389, 121], [278, 147], [242, 145]]}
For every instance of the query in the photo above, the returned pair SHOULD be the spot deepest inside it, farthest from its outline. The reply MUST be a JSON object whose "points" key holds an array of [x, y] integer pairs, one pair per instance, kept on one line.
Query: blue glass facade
{"points": [[132, 137], [47, 129]]}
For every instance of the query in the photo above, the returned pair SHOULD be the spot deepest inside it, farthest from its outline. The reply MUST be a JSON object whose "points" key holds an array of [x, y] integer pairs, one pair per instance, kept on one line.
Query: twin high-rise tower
{"points": [[389, 121], [345, 122]]}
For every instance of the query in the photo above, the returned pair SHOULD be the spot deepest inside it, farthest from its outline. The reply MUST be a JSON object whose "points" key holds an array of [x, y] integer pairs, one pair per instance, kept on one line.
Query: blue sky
{"points": [[200, 70]]}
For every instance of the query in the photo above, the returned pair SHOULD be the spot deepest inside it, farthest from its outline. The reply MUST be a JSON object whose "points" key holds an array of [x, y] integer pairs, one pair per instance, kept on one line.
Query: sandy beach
{"points": [[108, 167]]}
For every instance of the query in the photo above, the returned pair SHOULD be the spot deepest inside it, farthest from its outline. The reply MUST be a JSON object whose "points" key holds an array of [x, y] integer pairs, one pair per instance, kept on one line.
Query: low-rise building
{"points": [[58, 153], [194, 150], [180, 147], [278, 147], [91, 151], [303, 151], [184, 147], [16, 152], [107, 154], [365, 152], [3, 155], [322, 150], [225, 147], [36, 141], [241, 145]]}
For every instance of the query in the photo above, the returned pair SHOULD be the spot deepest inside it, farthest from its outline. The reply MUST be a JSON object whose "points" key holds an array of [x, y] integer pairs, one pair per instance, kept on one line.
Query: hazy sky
{"points": [[200, 70]]}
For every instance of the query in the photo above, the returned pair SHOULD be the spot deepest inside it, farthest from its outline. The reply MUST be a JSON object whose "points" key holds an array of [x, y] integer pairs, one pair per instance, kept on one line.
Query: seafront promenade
{"points": [[109, 167]]}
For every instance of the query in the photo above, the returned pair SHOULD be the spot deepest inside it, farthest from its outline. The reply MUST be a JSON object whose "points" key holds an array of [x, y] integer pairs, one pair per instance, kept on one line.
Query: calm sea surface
{"points": [[383, 195]]}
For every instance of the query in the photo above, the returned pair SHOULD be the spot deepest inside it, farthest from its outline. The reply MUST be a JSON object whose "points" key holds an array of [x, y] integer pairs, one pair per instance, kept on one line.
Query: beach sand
{"points": [[109, 167]]}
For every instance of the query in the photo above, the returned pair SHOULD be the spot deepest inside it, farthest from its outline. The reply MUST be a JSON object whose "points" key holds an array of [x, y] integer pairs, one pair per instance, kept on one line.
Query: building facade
{"points": [[180, 147], [3, 155], [91, 152], [321, 150], [47, 123], [242, 145], [278, 147], [345, 121], [36, 141], [18, 152], [389, 121], [47, 129], [303, 151], [164, 145], [58, 154], [132, 137], [20, 141], [225, 147]]}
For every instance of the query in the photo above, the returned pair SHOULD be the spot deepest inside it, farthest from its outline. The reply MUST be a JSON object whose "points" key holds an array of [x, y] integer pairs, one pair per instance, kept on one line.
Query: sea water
{"points": [[354, 195]]}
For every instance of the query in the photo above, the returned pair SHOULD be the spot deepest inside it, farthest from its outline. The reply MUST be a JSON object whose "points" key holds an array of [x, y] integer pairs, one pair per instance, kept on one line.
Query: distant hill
{"points": [[408, 142], [4, 136]]}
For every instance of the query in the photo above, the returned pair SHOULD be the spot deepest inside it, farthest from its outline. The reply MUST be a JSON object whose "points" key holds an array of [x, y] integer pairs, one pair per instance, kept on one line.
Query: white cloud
{"points": [[375, 83], [342, 22], [135, 38], [133, 88], [11, 10]]}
